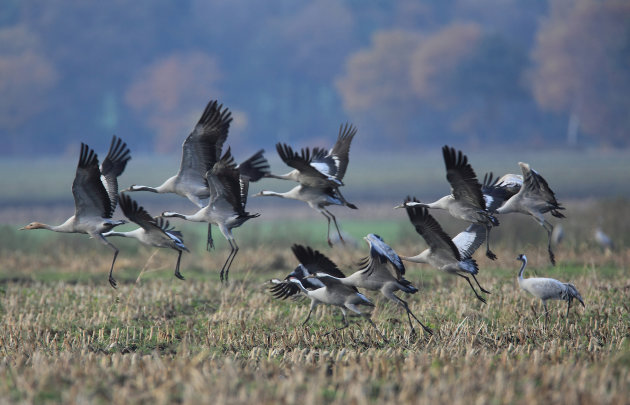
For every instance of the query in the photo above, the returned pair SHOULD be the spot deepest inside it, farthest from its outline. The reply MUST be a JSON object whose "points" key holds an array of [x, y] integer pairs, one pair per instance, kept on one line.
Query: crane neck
{"points": [[520, 273]]}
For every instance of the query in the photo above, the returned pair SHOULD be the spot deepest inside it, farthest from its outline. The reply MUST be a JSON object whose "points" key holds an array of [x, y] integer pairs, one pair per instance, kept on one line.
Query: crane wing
{"points": [[283, 289], [535, 184], [136, 213], [335, 162], [255, 167], [90, 197], [462, 177], [495, 193], [113, 165], [383, 256], [202, 148], [314, 165], [315, 262], [431, 230], [224, 182], [469, 240]]}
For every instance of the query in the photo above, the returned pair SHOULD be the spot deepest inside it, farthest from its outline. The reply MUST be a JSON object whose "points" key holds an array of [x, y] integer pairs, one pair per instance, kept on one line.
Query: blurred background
{"points": [[541, 81]]}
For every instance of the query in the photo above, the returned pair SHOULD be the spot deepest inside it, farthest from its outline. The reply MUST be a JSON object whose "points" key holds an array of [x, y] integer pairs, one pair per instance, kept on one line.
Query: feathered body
{"points": [[547, 288], [95, 192], [453, 256], [152, 232]]}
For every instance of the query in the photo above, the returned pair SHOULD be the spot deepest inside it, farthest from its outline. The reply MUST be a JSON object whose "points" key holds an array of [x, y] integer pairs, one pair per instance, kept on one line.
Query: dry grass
{"points": [[160, 340]]}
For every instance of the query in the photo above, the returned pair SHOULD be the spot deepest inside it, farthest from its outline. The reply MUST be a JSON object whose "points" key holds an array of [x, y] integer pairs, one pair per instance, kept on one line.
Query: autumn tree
{"points": [[582, 65], [169, 95]]}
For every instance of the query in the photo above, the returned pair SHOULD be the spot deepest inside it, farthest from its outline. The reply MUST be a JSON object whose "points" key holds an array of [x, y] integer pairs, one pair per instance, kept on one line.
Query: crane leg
{"points": [[366, 316], [479, 285], [410, 314], [310, 311], [546, 312], [228, 262], [479, 297], [100, 237], [323, 211], [549, 228], [568, 307], [336, 226], [489, 253], [177, 273], [343, 319], [210, 241]]}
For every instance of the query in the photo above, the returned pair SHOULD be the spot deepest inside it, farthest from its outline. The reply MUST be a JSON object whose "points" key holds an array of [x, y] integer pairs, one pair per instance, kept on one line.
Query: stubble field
{"points": [[67, 336]]}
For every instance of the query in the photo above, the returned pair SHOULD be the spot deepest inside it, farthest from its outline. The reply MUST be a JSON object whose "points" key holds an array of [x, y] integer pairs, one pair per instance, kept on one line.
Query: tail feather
{"points": [[470, 266], [409, 288]]}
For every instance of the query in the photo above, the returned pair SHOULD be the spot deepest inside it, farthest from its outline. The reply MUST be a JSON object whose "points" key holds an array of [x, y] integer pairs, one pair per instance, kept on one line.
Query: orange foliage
{"points": [[170, 95]]}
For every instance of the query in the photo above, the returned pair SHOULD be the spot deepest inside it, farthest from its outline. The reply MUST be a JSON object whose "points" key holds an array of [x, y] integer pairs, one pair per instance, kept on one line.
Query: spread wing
{"points": [[224, 182], [334, 163], [431, 230], [255, 167], [137, 213], [312, 174], [494, 192], [535, 184], [90, 197], [113, 166], [382, 256], [469, 240], [202, 148], [462, 177], [315, 261], [282, 289]]}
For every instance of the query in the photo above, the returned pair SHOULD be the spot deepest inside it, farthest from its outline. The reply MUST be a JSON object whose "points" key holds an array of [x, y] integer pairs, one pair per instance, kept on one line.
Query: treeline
{"points": [[416, 73]]}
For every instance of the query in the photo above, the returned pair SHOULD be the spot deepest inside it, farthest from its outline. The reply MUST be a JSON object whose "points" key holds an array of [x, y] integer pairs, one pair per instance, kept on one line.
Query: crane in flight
{"points": [[152, 232], [319, 174], [95, 192]]}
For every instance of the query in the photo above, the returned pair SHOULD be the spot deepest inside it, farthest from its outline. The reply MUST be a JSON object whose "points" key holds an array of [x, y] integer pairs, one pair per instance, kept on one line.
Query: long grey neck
{"points": [[520, 273]]}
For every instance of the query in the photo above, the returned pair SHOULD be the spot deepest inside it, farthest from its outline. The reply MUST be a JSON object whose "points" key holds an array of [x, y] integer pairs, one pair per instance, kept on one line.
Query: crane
{"points": [[320, 175], [318, 199], [95, 191], [466, 200], [451, 256], [153, 231], [200, 151], [321, 290], [226, 207], [534, 198], [382, 271], [547, 288]]}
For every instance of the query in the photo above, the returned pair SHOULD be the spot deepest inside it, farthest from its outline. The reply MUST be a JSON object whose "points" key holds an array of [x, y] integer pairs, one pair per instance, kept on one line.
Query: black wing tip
{"points": [[87, 157]]}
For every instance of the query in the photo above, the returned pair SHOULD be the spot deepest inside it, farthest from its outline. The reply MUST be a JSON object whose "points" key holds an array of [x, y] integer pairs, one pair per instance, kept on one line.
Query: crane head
{"points": [[522, 258]]}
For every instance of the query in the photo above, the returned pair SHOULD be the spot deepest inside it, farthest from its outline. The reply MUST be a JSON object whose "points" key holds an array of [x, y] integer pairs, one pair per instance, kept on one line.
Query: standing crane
{"points": [[547, 288], [534, 198], [95, 192], [382, 271], [226, 208], [321, 290], [153, 231], [451, 256], [466, 200], [320, 175]]}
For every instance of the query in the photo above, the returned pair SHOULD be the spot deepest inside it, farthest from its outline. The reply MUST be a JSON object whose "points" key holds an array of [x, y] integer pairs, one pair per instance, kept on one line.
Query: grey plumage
{"points": [[547, 288], [534, 198], [152, 232], [95, 192], [320, 175], [382, 271], [466, 200], [226, 206], [453, 256], [331, 291]]}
